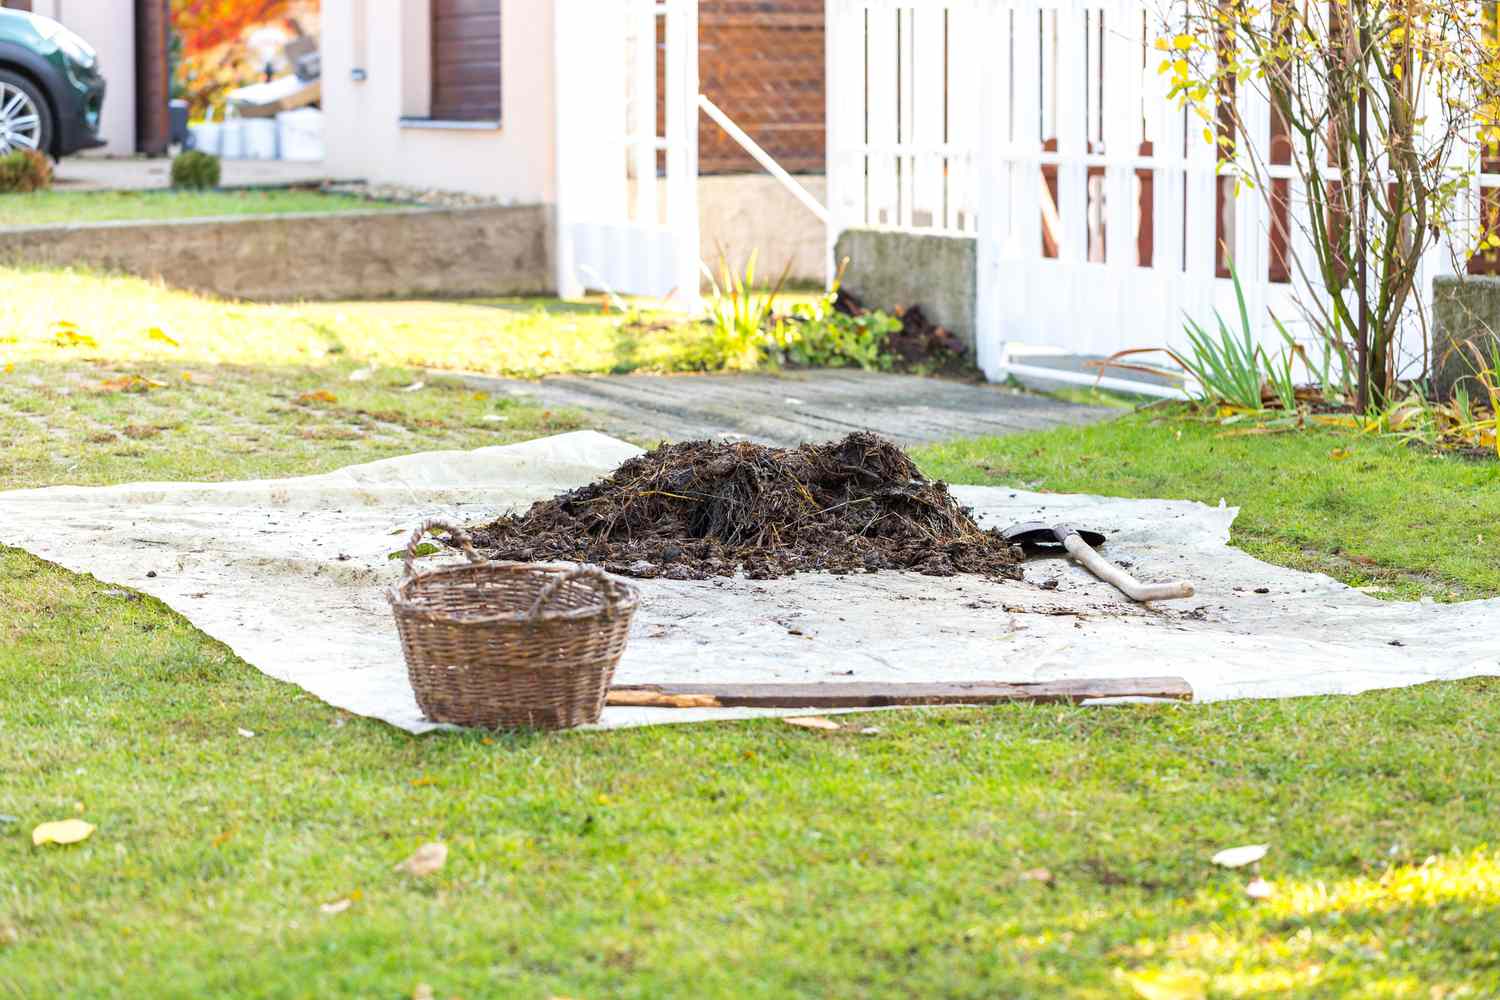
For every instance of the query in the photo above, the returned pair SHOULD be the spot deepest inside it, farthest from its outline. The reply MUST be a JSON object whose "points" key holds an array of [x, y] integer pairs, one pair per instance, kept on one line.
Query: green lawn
{"points": [[42, 208], [1369, 511], [130, 320], [1005, 852]]}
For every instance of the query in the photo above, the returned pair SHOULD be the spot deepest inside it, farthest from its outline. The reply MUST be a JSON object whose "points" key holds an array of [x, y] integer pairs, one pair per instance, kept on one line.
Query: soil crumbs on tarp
{"points": [[702, 509]]}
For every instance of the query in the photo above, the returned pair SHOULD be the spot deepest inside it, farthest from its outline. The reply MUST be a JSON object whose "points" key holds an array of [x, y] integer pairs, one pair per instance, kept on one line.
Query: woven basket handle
{"points": [[607, 585], [458, 535]]}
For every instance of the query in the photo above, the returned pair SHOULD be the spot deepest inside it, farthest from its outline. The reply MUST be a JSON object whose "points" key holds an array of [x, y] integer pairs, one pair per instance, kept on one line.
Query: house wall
{"points": [[364, 131], [109, 26]]}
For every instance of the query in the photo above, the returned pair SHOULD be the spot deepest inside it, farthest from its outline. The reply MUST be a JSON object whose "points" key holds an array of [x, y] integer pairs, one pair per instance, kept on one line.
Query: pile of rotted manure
{"points": [[702, 509]]}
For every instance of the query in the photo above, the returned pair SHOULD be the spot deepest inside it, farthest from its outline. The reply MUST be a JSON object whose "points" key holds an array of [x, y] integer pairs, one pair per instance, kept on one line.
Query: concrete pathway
{"points": [[790, 409], [138, 173]]}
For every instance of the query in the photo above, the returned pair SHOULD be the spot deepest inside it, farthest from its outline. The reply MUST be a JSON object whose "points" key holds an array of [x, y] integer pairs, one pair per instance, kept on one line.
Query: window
{"points": [[466, 60]]}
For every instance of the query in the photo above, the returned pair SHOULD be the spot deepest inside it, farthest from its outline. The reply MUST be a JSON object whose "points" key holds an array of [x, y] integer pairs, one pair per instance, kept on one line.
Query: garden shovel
{"points": [[1080, 543]]}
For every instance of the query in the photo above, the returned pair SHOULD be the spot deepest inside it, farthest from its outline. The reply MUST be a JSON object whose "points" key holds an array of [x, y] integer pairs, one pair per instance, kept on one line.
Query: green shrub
{"points": [[195, 170], [739, 315], [820, 337], [24, 171]]}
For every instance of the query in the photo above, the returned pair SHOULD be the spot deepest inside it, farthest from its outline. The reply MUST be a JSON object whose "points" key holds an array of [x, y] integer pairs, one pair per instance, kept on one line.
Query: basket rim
{"points": [[629, 596]]}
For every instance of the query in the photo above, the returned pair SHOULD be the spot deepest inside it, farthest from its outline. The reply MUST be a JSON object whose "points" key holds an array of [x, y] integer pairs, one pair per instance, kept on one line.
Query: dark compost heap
{"points": [[701, 509]]}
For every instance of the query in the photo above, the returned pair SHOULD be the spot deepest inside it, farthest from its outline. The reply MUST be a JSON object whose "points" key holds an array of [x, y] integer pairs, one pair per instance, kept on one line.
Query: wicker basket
{"points": [[510, 645]]}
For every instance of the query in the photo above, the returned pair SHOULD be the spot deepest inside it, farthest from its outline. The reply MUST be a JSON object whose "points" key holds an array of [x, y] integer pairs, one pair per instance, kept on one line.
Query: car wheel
{"points": [[25, 119]]}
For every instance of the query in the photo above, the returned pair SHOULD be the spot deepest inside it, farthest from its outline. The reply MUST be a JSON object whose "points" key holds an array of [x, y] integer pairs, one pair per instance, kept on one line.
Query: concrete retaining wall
{"points": [[738, 213], [1464, 310], [353, 255], [938, 273]]}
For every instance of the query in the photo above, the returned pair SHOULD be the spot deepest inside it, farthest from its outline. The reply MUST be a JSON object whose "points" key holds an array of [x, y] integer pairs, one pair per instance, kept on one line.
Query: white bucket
{"points": [[260, 138], [208, 137], [301, 133], [232, 139]]}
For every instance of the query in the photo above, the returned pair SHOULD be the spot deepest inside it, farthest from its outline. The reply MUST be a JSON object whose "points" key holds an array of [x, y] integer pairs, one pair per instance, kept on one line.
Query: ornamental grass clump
{"points": [[24, 171], [195, 170]]}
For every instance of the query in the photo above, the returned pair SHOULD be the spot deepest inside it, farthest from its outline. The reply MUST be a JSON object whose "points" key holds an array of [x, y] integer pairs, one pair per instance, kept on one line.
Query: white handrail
{"points": [[764, 159]]}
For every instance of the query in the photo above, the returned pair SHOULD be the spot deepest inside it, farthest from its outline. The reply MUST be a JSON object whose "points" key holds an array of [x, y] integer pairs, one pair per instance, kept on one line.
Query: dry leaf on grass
{"points": [[159, 335], [1259, 888], [129, 383], [425, 860], [337, 906], [1041, 875], [316, 396], [63, 831], [1239, 857], [422, 992], [247, 733], [815, 722], [68, 335]]}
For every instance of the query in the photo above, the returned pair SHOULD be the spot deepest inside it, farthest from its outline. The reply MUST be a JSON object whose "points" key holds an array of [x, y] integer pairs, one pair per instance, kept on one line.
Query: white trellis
{"points": [[627, 154], [1042, 128]]}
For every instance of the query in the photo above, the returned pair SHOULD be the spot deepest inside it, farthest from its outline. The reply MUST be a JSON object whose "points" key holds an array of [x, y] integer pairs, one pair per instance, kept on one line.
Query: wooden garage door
{"points": [[466, 60]]}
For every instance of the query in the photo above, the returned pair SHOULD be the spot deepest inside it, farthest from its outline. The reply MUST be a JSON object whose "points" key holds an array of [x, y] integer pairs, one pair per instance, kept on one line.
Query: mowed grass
{"points": [[1372, 512], [42, 208], [1026, 851], [117, 315]]}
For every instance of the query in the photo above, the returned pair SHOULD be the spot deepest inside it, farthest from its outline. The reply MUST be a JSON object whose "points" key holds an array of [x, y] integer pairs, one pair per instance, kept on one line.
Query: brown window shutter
{"points": [[16, 4], [466, 60]]}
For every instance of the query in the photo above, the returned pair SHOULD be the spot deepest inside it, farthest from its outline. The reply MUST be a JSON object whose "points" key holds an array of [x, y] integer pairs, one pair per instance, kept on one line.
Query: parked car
{"points": [[51, 91]]}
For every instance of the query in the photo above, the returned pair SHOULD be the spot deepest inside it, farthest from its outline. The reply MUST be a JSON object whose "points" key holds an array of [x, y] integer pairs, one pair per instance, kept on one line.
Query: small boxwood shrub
{"points": [[195, 170], [25, 170]]}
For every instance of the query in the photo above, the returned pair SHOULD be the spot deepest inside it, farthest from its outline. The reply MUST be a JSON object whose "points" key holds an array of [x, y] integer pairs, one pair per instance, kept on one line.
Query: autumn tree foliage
{"points": [[205, 25], [210, 57]]}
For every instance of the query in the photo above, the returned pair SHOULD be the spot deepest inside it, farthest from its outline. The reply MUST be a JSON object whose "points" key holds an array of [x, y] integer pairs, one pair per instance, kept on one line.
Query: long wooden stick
{"points": [[856, 695], [1121, 580]]}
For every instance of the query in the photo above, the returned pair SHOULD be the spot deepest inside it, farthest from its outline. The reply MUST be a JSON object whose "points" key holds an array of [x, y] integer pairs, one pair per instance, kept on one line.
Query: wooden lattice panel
{"points": [[762, 62]]}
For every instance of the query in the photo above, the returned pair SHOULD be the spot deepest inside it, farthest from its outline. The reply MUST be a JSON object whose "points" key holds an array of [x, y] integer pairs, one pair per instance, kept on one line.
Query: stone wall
{"points": [[1464, 310], [938, 273], [353, 255]]}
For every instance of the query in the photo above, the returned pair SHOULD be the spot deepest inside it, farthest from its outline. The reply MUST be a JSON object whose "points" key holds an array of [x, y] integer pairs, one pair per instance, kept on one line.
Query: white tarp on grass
{"points": [[291, 574]]}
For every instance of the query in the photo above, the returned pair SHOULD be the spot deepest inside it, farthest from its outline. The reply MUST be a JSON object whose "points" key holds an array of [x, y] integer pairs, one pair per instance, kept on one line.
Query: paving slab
{"points": [[793, 408]]}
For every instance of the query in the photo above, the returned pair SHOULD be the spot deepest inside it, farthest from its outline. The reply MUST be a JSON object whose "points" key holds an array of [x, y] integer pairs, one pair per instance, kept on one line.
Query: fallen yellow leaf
{"points": [[159, 335], [1339, 454], [129, 383], [63, 831], [316, 396], [68, 337], [1166, 985]]}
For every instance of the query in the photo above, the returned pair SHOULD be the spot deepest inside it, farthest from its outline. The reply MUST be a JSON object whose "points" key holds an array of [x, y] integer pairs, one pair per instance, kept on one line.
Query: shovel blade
{"points": [[1037, 535]]}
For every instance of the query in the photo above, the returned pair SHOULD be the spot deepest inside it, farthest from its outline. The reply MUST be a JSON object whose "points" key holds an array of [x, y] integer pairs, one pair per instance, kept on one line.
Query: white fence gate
{"points": [[1043, 129], [627, 147]]}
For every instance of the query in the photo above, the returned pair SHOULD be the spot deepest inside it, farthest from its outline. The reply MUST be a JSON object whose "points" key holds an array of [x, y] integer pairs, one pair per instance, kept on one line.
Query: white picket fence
{"points": [[1043, 128], [627, 156]]}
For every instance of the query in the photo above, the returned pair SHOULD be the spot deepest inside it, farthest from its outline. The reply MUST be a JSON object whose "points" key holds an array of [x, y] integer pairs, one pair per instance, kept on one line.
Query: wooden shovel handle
{"points": [[1121, 580]]}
